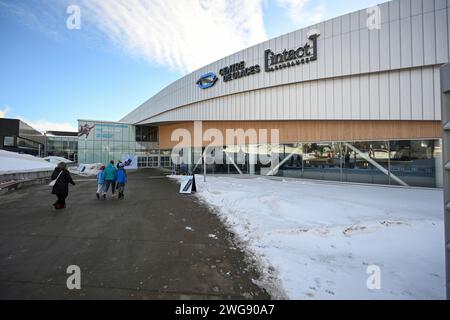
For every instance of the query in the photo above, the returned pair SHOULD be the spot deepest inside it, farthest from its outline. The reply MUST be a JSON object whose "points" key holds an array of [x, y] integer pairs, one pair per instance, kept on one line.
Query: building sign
{"points": [[237, 71], [109, 131], [272, 62], [291, 58], [207, 81], [89, 130]]}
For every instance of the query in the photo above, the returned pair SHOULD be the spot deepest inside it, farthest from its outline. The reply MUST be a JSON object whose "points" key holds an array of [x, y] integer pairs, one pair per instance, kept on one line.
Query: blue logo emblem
{"points": [[207, 81]]}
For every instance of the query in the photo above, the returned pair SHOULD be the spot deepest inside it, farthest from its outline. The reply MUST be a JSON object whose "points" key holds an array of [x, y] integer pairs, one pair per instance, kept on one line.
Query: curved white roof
{"points": [[385, 73]]}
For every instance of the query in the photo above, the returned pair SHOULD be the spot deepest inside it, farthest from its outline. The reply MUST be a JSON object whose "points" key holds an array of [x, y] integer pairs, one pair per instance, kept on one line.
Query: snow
{"points": [[322, 239], [86, 169], [12, 162], [57, 160]]}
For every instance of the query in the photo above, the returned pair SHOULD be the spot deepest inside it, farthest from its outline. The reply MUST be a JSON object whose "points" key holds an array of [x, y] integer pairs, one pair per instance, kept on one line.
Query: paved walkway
{"points": [[138, 248]]}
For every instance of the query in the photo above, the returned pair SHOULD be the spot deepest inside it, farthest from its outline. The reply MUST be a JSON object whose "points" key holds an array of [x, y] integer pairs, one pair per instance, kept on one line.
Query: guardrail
{"points": [[15, 181]]}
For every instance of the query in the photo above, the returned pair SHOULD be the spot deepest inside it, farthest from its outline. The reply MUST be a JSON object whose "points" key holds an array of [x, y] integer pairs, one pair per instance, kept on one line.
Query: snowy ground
{"points": [[321, 238], [11, 162], [87, 170], [57, 160]]}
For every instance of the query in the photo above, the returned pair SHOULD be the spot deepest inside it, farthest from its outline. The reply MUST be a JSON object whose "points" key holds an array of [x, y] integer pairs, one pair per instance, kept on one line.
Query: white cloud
{"points": [[302, 13], [4, 112], [41, 125], [181, 34], [44, 125]]}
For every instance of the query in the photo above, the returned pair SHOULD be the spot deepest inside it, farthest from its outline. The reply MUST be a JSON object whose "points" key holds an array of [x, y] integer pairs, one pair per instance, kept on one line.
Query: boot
{"points": [[98, 196]]}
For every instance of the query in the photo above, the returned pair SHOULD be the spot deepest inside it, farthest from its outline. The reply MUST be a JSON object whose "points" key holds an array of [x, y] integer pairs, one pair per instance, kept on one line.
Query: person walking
{"points": [[118, 167], [101, 182], [121, 180], [110, 178], [61, 187]]}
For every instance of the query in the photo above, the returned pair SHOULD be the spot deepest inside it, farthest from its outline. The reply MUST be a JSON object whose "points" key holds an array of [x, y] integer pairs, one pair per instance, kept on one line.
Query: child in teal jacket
{"points": [[110, 178]]}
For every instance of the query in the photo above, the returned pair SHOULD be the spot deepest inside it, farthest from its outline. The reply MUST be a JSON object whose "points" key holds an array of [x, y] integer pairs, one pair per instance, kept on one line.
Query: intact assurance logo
{"points": [[207, 80]]}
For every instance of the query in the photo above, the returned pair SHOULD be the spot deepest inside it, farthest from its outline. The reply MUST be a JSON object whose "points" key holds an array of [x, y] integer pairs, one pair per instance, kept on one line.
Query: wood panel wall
{"points": [[313, 130]]}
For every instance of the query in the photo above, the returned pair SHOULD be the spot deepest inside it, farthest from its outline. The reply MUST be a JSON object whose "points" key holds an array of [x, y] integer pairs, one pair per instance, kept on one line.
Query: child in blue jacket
{"points": [[121, 179], [101, 181]]}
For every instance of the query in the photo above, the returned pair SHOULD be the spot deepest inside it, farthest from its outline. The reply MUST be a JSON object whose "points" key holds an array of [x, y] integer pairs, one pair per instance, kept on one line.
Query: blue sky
{"points": [[127, 50]]}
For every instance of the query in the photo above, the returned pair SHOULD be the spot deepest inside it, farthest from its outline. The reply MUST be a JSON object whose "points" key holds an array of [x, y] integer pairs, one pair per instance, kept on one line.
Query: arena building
{"points": [[355, 99]]}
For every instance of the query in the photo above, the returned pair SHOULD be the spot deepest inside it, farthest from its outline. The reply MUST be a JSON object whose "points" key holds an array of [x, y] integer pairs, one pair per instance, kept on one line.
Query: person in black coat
{"points": [[61, 187]]}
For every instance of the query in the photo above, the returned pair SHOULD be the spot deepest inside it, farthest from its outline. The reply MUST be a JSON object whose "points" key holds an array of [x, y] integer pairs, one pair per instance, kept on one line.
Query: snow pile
{"points": [[322, 239], [12, 162], [86, 169], [57, 160]]}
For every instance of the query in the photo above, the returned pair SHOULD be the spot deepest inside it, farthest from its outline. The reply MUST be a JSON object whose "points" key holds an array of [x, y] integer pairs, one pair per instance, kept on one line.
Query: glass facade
{"points": [[9, 142], [62, 146], [389, 162], [397, 162], [100, 142], [146, 134]]}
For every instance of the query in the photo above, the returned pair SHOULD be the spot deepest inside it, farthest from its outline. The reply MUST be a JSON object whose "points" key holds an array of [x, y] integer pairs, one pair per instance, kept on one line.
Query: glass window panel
{"points": [[8, 141], [366, 162], [292, 156], [89, 145], [81, 144], [97, 156], [322, 161], [414, 162]]}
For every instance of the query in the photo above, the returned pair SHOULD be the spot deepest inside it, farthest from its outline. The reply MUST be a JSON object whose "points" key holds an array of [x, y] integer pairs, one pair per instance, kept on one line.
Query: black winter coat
{"points": [[61, 187]]}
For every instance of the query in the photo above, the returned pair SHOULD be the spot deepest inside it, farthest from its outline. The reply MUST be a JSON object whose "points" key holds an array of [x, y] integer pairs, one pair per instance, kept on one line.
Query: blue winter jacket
{"points": [[121, 176], [110, 172], [101, 177]]}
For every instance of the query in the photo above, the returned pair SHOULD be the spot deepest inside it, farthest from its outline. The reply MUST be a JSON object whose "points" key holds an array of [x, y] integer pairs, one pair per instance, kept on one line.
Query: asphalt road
{"points": [[155, 244]]}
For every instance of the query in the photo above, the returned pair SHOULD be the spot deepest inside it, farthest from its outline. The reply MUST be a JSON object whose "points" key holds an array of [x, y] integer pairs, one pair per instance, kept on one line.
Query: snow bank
{"points": [[12, 162], [86, 169], [57, 160], [321, 238]]}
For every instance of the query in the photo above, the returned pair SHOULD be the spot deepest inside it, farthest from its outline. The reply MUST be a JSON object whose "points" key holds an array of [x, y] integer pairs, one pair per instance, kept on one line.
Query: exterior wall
{"points": [[366, 110], [23, 138], [315, 131], [396, 95], [105, 141], [360, 74]]}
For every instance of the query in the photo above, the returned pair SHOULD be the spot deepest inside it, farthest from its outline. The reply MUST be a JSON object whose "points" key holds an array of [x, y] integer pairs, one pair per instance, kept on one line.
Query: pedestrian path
{"points": [[155, 244]]}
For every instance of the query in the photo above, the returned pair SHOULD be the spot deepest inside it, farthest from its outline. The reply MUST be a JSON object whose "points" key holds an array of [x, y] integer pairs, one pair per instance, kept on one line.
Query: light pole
{"points": [[204, 164]]}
